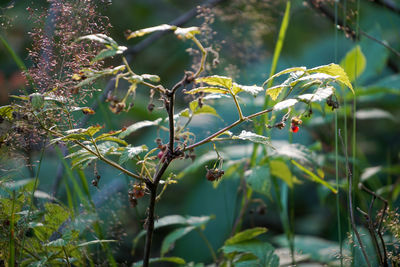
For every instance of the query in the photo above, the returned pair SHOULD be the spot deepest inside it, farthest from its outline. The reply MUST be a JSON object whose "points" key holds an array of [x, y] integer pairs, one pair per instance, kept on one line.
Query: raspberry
{"points": [[294, 128]]}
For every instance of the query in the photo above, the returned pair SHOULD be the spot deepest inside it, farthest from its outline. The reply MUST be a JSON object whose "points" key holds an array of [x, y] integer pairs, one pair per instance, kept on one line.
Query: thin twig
{"points": [[350, 198]]}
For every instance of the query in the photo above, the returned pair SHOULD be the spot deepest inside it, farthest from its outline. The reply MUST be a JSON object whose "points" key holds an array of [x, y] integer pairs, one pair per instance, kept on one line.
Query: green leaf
{"points": [[314, 177], [222, 81], [263, 251], [206, 109], [139, 125], [354, 63], [208, 89], [250, 136], [105, 53], [57, 243], [253, 90], [274, 91], [285, 104], [334, 70], [6, 112], [151, 77], [245, 235], [95, 242], [142, 32], [319, 95], [176, 260], [374, 114], [259, 180], [99, 37], [169, 241], [130, 152], [279, 169], [289, 70]]}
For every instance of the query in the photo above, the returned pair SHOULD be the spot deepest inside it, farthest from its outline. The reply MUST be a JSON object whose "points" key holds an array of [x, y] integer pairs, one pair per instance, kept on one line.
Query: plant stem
{"points": [[208, 244], [203, 56], [350, 199]]}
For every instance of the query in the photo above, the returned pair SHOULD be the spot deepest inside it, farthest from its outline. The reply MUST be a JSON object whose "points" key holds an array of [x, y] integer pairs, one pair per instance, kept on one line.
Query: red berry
{"points": [[160, 154], [295, 129]]}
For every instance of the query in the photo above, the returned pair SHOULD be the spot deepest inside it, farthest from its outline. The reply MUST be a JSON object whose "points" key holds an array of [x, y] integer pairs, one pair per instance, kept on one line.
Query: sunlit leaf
{"points": [[354, 63], [279, 169], [142, 32], [130, 152], [187, 33], [99, 37], [302, 69], [253, 90], [139, 125], [151, 77], [250, 136], [334, 70], [245, 235], [314, 177], [285, 104], [95, 242], [274, 91], [222, 81], [7, 111], [321, 94]]}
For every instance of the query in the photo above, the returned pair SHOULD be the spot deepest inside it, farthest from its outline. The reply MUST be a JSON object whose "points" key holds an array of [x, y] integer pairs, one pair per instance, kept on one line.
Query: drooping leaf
{"points": [[142, 32], [245, 235], [259, 179], [321, 94], [314, 177], [130, 152], [222, 81], [109, 52], [250, 136], [285, 104], [175, 260], [334, 70], [84, 244], [354, 63], [208, 89], [279, 169], [139, 125], [169, 241]]}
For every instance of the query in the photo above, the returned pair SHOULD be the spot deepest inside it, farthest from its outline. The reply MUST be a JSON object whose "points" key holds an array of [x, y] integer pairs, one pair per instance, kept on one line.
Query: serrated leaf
{"points": [[172, 237], [259, 180], [208, 89], [314, 177], [187, 33], [334, 70], [253, 90], [104, 135], [285, 104], [245, 235], [321, 94], [279, 169], [142, 32], [274, 91], [139, 125], [302, 69], [354, 63], [184, 113], [222, 81], [130, 152], [176, 260], [250, 136]]}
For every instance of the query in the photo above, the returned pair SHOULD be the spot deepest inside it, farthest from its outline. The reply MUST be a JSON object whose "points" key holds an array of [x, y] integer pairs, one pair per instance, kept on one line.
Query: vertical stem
{"points": [[338, 191], [150, 223]]}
